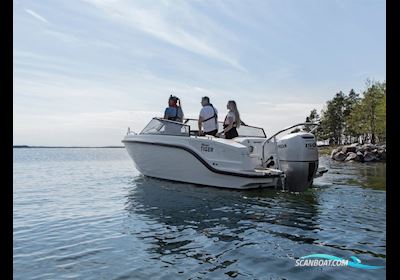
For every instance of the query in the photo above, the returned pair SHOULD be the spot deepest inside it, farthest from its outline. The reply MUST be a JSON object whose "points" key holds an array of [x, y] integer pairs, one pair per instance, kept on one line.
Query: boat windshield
{"points": [[243, 130], [166, 127]]}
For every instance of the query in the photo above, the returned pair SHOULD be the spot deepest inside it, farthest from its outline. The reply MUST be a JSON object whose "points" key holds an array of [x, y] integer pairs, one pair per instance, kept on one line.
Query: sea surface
{"points": [[89, 214]]}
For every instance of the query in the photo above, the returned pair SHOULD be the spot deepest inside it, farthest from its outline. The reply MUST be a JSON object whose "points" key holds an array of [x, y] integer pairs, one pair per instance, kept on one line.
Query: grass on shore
{"points": [[326, 150]]}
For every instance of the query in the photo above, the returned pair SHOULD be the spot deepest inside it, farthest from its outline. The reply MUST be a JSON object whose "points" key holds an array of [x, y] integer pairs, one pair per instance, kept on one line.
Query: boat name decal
{"points": [[282, 146], [206, 148]]}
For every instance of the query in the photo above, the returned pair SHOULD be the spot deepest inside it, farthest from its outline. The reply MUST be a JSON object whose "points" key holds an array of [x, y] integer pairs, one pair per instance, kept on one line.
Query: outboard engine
{"points": [[298, 158]]}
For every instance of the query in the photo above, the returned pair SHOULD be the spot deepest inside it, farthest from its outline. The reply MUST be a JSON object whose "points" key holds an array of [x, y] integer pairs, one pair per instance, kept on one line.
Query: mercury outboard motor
{"points": [[298, 158]]}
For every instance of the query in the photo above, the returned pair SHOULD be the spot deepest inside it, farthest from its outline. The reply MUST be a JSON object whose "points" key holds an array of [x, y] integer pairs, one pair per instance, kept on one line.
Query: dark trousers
{"points": [[231, 133], [212, 132]]}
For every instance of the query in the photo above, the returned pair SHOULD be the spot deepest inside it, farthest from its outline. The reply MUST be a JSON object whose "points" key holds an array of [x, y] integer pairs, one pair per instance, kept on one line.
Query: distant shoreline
{"points": [[58, 147]]}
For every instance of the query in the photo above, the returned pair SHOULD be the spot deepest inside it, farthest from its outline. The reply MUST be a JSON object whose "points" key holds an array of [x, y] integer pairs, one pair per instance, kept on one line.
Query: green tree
{"points": [[368, 117], [313, 117], [381, 117], [351, 101], [333, 118], [346, 117], [373, 98], [357, 122]]}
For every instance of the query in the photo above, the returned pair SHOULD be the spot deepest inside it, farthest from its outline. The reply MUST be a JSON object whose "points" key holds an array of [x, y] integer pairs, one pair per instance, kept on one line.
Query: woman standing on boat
{"points": [[174, 110], [231, 122]]}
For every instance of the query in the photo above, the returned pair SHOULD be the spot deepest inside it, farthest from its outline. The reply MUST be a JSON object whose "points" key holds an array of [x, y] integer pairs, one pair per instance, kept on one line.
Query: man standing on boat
{"points": [[208, 118]]}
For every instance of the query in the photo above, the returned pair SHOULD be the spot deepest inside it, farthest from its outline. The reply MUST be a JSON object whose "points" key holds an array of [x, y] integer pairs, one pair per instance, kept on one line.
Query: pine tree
{"points": [[352, 116]]}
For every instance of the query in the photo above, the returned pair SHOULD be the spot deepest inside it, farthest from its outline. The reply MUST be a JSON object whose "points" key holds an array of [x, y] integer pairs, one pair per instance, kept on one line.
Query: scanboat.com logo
{"points": [[329, 260]]}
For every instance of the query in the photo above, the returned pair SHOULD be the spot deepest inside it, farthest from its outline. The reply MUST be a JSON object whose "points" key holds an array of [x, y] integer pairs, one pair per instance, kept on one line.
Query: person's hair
{"points": [[206, 98], [173, 97], [233, 107], [176, 99]]}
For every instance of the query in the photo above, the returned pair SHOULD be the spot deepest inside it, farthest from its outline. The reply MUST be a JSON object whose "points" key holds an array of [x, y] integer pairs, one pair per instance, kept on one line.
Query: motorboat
{"points": [[175, 151]]}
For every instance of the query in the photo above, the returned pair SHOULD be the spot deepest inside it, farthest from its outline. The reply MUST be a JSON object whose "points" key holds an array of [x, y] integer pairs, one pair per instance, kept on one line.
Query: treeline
{"points": [[353, 118]]}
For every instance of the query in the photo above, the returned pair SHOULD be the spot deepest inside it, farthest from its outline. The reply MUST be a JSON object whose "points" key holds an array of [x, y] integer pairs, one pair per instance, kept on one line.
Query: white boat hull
{"points": [[173, 151], [179, 164]]}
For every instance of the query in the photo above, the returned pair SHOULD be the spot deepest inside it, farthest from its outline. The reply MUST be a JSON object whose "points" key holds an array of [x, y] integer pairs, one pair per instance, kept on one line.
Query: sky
{"points": [[85, 71]]}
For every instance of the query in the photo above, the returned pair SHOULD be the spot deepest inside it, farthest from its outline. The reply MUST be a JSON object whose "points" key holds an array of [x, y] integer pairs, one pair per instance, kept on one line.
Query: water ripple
{"points": [[88, 214]]}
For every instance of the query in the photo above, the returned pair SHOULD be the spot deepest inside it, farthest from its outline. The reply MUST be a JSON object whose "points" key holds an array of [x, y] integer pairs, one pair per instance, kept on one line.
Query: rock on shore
{"points": [[360, 153]]}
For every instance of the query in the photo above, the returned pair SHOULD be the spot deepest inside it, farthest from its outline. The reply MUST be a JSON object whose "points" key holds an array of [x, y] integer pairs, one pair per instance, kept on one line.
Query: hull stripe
{"points": [[206, 164]]}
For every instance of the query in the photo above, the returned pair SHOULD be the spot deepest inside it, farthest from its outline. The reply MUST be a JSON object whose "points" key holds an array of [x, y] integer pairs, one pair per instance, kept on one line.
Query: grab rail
{"points": [[259, 129]]}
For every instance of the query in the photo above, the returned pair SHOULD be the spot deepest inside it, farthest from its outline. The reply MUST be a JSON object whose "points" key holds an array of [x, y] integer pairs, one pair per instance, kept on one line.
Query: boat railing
{"points": [[273, 137], [244, 130]]}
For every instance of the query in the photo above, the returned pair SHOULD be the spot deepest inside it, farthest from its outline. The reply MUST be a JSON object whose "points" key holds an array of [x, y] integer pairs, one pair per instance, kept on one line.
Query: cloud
{"points": [[96, 67], [62, 36], [37, 16], [163, 23]]}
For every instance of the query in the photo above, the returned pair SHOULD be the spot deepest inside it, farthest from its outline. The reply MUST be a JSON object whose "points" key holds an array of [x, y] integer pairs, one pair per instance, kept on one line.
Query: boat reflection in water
{"points": [[213, 232], [210, 224]]}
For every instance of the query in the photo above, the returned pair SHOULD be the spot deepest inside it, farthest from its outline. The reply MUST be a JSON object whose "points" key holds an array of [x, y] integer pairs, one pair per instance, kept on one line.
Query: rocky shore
{"points": [[360, 153]]}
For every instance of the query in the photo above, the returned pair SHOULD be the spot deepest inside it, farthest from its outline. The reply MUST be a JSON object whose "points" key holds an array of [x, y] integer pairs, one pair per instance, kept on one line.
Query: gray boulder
{"points": [[382, 155], [349, 149], [369, 147], [369, 156], [360, 153], [351, 156], [334, 151], [340, 156], [360, 157]]}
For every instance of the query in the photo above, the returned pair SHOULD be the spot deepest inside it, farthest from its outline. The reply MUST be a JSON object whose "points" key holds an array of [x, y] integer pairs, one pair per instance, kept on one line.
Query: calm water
{"points": [[89, 214]]}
